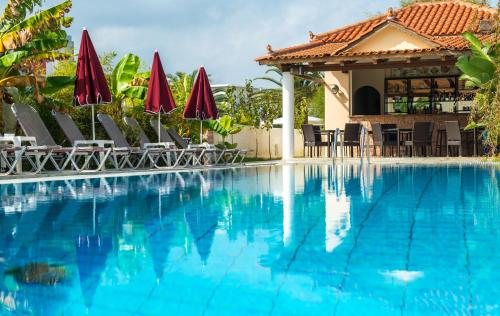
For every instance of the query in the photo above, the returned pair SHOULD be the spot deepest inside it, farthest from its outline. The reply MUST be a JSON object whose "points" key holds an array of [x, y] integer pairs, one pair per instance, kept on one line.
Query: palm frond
{"points": [[275, 81]]}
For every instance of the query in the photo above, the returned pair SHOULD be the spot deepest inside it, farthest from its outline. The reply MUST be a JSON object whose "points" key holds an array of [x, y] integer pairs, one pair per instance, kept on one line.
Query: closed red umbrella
{"points": [[159, 99], [91, 87], [201, 103]]}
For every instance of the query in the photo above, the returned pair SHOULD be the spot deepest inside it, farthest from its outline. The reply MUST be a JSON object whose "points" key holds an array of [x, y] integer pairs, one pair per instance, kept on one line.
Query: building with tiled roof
{"points": [[440, 24], [401, 62]]}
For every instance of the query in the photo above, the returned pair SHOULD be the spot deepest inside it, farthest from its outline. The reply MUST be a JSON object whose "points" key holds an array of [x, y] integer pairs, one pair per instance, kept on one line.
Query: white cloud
{"points": [[223, 35]]}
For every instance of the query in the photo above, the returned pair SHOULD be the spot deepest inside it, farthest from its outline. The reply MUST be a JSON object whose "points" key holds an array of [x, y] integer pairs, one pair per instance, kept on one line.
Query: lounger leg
{"points": [[104, 158], [69, 159], [11, 167], [41, 164]]}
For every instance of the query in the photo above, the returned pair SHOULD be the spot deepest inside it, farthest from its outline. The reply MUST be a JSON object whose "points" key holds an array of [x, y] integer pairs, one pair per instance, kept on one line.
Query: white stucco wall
{"points": [[369, 77], [253, 139], [337, 105], [391, 38]]}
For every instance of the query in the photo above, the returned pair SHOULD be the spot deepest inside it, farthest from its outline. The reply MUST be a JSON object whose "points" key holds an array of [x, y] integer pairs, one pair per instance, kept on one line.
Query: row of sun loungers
{"points": [[40, 152]]}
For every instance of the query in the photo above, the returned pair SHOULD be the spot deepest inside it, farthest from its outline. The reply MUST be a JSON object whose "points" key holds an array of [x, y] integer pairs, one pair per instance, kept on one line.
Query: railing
{"points": [[364, 145]]}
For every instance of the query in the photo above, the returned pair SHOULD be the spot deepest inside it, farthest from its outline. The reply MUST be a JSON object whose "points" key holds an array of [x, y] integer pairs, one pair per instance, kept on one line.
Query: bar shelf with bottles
{"points": [[427, 95]]}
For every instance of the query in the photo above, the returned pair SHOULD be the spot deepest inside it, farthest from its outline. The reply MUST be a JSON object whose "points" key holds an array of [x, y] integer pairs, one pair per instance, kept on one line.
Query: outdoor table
{"points": [[102, 144], [330, 134], [473, 131], [17, 141], [405, 132]]}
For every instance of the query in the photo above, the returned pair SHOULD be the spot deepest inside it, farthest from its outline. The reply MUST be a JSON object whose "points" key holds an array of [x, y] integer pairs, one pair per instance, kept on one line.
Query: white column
{"points": [[288, 116]]}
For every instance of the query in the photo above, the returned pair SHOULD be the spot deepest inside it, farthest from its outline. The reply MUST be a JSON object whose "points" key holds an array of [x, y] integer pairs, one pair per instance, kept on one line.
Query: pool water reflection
{"points": [[273, 240]]}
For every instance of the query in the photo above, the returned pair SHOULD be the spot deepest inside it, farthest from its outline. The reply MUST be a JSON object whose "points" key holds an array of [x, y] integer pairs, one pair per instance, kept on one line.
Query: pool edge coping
{"points": [[57, 176]]}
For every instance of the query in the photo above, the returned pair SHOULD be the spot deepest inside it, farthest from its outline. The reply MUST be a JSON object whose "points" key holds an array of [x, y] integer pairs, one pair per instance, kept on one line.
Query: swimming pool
{"points": [[272, 240]]}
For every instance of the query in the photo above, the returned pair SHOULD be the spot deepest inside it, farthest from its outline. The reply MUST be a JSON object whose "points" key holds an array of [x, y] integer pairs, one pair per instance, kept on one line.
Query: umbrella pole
{"points": [[201, 132], [93, 123], [159, 126], [159, 208]]}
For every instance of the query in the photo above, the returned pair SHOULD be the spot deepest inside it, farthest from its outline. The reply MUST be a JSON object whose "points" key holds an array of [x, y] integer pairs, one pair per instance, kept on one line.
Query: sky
{"points": [[225, 36]]}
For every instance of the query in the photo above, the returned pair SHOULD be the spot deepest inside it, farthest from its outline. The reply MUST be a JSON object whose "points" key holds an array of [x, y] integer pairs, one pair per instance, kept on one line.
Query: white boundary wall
{"points": [[252, 138]]}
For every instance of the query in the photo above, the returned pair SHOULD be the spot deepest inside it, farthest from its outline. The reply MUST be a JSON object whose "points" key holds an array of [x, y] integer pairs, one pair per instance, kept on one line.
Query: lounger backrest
{"points": [[377, 132], [453, 131], [164, 135], [178, 139], [68, 126], [422, 132], [32, 124], [308, 132], [113, 130], [352, 132], [132, 123]]}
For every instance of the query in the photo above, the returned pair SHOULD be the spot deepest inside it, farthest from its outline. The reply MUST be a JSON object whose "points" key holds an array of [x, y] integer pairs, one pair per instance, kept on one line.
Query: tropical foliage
{"points": [[27, 42], [481, 69], [224, 126], [127, 83], [309, 93]]}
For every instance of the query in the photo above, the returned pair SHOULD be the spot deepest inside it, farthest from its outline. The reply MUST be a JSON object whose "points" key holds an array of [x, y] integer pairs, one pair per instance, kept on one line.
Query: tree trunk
{"points": [[256, 144], [269, 139]]}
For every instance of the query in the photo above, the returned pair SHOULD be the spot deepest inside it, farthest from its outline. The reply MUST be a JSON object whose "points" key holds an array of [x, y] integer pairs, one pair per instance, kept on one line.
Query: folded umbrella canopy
{"points": [[201, 103], [159, 99], [91, 87]]}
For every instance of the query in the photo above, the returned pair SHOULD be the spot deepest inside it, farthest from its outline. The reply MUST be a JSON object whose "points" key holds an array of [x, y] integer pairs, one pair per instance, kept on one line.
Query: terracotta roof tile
{"points": [[443, 22]]}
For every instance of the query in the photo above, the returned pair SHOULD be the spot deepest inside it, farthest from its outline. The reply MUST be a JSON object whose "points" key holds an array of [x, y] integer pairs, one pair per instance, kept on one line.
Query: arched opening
{"points": [[366, 101]]}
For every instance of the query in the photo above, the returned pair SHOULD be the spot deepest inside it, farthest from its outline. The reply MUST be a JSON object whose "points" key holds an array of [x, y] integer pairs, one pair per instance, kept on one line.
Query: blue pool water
{"points": [[291, 240]]}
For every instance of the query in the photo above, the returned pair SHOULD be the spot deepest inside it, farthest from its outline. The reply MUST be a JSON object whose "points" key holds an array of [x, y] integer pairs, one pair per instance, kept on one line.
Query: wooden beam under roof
{"points": [[379, 65]]}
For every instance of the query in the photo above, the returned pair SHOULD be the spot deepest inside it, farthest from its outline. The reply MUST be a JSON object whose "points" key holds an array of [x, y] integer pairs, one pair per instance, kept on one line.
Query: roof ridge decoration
{"points": [[432, 41], [390, 14]]}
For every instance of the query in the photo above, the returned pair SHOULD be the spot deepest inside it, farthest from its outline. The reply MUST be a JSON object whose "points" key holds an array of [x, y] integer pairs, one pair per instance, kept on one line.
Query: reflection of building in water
{"points": [[317, 217], [288, 202], [337, 220]]}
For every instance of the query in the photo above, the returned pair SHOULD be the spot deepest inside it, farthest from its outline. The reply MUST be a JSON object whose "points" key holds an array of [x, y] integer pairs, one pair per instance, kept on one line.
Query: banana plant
{"points": [[481, 70], [17, 30], [126, 80], [480, 67], [224, 126], [27, 42], [16, 10]]}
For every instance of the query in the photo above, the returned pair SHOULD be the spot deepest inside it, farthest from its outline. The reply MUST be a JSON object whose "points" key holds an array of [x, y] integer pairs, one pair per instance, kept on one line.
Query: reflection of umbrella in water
{"points": [[28, 227], [91, 255], [202, 224], [161, 231]]}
